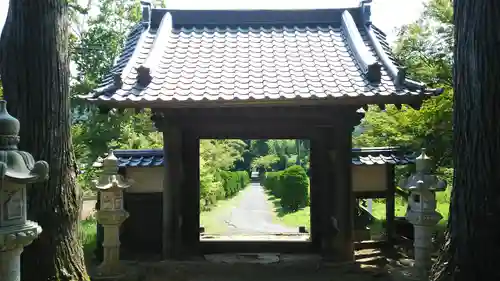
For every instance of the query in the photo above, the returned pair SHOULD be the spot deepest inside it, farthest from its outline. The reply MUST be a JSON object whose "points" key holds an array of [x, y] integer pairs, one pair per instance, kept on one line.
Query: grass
{"points": [[88, 237], [302, 217], [285, 217]]}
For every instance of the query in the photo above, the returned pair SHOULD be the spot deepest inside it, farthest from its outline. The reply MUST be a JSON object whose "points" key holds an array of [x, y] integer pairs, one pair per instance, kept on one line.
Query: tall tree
{"points": [[34, 66], [472, 240]]}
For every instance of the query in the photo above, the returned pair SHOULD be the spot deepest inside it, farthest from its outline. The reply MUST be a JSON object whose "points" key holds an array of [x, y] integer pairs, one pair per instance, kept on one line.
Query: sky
{"points": [[387, 15]]}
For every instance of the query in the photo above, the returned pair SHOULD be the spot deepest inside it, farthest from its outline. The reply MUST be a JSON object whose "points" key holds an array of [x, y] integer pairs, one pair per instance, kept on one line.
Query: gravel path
{"points": [[251, 214]]}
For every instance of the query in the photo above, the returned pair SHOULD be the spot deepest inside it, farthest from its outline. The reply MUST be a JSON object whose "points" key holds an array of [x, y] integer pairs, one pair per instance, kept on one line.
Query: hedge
{"points": [[291, 186], [233, 182]]}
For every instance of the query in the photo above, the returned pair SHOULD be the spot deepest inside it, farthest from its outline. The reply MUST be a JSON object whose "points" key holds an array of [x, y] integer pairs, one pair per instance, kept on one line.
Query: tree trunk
{"points": [[473, 237], [34, 66]]}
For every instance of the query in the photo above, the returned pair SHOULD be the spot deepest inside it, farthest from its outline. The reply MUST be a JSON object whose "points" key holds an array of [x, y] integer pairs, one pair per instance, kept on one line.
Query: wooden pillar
{"points": [[343, 196], [191, 194], [324, 173], [320, 185], [172, 183], [390, 204]]}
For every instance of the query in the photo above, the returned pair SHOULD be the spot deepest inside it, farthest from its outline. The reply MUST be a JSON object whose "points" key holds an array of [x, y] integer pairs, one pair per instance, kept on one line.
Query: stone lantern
{"points": [[17, 169], [111, 214], [422, 213]]}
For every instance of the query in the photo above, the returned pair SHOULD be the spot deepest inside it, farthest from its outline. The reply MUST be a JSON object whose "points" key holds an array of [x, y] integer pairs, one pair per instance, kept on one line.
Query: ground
{"points": [[371, 264], [248, 213], [253, 212]]}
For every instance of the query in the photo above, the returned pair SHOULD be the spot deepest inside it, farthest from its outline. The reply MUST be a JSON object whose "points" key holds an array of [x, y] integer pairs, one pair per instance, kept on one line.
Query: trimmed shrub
{"points": [[233, 182], [272, 183], [294, 188]]}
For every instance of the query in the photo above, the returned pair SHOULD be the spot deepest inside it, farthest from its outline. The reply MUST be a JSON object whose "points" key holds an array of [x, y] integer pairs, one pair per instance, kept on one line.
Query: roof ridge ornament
{"points": [[366, 10], [143, 76], [117, 80], [400, 76]]}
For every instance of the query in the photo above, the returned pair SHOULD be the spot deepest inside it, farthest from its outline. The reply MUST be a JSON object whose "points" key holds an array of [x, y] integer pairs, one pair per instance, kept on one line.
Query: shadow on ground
{"points": [[372, 264], [278, 209]]}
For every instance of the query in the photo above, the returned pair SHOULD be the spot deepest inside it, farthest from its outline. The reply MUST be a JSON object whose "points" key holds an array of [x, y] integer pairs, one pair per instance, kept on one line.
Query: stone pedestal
{"points": [[110, 268], [10, 264]]}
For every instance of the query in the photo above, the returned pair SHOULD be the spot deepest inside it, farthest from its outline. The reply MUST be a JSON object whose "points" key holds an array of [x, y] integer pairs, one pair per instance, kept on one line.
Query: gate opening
{"points": [[254, 189]]}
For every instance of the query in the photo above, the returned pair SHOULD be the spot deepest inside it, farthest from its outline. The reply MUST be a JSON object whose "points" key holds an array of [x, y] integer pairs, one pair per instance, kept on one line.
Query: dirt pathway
{"points": [[249, 213]]}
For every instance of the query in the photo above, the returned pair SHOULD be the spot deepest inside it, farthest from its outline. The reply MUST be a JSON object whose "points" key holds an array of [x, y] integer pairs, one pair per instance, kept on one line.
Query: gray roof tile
{"points": [[316, 59], [144, 158], [380, 156]]}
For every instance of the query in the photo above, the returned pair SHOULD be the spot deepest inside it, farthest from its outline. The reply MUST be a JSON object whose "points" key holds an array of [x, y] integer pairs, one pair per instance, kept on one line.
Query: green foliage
{"points": [[233, 182], [272, 183], [217, 158], [278, 154], [425, 49], [295, 183], [93, 51], [265, 162], [291, 186]]}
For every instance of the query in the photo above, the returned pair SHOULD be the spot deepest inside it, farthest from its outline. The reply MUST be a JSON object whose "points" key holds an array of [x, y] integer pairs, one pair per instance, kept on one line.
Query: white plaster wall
{"points": [[146, 180], [369, 178]]}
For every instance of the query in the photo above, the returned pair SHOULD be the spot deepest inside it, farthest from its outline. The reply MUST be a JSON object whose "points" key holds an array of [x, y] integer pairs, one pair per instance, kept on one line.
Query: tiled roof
{"points": [[361, 156], [381, 155], [139, 157], [183, 56]]}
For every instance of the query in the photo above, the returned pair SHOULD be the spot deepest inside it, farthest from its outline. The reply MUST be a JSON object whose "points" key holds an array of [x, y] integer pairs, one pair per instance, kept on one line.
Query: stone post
{"points": [[17, 169], [110, 215], [422, 214]]}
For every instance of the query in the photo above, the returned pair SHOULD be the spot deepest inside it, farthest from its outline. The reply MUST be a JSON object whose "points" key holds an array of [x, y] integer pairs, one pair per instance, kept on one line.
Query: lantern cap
{"points": [[17, 166]]}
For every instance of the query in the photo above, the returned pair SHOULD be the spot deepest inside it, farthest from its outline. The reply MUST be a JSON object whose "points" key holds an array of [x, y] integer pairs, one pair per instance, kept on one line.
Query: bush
{"points": [[272, 183], [233, 182], [294, 188]]}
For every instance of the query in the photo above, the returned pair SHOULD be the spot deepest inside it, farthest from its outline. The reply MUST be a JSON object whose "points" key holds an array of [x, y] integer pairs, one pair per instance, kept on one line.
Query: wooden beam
{"points": [[370, 194], [231, 246], [390, 203], [255, 130], [307, 112]]}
